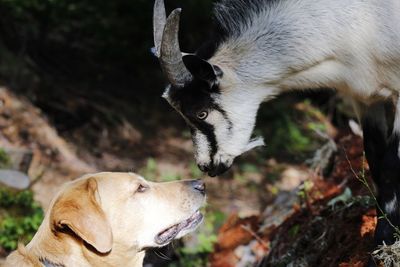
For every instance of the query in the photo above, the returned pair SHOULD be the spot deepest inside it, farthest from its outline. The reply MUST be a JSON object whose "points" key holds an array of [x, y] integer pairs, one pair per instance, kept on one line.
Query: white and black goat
{"points": [[267, 47]]}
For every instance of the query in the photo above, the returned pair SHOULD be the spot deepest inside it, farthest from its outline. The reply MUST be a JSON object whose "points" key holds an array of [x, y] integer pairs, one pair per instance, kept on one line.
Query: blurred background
{"points": [[80, 92]]}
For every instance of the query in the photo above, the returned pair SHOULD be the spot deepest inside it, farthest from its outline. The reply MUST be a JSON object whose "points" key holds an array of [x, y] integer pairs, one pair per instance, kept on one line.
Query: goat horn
{"points": [[167, 45], [159, 21]]}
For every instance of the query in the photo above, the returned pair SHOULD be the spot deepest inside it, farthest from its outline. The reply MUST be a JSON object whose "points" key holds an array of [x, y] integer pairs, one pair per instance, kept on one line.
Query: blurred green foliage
{"points": [[248, 167], [94, 41], [150, 169], [151, 172], [195, 171], [304, 190], [169, 177], [20, 217], [78, 56], [290, 134], [5, 161], [294, 230], [196, 255]]}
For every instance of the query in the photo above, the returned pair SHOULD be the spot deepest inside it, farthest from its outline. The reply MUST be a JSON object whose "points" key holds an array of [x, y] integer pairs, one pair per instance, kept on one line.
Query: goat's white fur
{"points": [[350, 45]]}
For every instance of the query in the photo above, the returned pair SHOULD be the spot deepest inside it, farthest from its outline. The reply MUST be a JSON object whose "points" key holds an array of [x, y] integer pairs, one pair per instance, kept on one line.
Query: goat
{"points": [[266, 47]]}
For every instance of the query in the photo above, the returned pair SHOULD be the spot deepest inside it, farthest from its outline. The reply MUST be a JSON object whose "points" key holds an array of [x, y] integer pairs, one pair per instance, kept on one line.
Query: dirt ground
{"points": [[288, 215], [328, 229]]}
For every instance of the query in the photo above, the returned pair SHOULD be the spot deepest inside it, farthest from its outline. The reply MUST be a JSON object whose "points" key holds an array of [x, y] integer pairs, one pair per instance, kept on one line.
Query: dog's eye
{"points": [[141, 188], [202, 115]]}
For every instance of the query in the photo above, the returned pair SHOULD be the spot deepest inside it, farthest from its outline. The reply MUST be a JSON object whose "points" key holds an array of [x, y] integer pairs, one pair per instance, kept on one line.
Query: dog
{"points": [[110, 219]]}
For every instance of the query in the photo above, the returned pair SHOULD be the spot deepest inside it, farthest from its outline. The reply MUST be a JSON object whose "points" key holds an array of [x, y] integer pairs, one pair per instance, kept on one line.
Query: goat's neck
{"points": [[289, 47], [270, 75]]}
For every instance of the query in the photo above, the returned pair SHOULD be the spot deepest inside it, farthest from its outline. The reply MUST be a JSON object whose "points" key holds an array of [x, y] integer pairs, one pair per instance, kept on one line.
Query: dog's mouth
{"points": [[170, 233]]}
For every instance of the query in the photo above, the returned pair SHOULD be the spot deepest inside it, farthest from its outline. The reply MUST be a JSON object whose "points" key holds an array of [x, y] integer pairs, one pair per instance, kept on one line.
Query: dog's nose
{"points": [[199, 185]]}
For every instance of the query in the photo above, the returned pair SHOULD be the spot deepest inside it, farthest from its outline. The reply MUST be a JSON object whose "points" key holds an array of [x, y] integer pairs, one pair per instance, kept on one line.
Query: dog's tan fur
{"points": [[103, 220]]}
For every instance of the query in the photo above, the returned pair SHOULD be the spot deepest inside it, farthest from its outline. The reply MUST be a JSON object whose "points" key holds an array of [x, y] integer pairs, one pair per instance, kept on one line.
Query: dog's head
{"points": [[125, 210]]}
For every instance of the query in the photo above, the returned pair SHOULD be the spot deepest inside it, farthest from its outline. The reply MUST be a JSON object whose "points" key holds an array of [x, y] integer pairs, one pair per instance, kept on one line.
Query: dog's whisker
{"points": [[162, 256]]}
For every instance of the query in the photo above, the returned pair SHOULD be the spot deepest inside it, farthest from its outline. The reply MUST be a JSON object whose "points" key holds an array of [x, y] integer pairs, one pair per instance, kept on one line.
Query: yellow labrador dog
{"points": [[109, 219]]}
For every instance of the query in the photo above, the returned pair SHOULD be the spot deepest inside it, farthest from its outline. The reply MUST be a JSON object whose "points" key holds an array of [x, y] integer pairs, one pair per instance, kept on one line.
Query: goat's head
{"points": [[220, 116]]}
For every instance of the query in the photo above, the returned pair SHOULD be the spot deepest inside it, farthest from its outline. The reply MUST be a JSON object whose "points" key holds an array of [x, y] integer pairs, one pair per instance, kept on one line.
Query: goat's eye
{"points": [[202, 115], [141, 188]]}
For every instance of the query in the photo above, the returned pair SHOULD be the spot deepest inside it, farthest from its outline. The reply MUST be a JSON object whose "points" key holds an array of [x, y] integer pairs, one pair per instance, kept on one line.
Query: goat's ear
{"points": [[201, 69], [78, 209]]}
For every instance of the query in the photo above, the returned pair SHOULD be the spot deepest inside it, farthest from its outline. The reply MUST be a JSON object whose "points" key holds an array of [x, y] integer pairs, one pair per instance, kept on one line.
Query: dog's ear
{"points": [[78, 209]]}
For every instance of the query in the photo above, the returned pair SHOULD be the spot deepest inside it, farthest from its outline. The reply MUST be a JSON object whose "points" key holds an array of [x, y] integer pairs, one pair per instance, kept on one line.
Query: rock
{"points": [[14, 179], [282, 208]]}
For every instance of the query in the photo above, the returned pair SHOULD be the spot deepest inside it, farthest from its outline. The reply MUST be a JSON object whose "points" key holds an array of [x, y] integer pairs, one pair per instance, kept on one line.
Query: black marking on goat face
{"points": [[208, 131], [194, 98]]}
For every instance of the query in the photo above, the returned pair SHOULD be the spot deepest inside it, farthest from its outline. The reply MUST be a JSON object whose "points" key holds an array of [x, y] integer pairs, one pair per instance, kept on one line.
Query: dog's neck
{"points": [[61, 249]]}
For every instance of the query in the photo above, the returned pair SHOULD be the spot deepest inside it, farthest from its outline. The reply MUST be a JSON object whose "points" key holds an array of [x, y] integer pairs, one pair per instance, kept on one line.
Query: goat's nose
{"points": [[199, 185], [218, 170], [203, 168]]}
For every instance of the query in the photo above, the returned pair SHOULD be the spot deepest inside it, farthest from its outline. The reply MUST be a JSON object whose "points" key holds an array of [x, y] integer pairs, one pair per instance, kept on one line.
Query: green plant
{"points": [[151, 172], [304, 190], [168, 177], [5, 160], [286, 131], [289, 136], [196, 254], [248, 167], [20, 217], [194, 170], [150, 169], [344, 198], [362, 178], [294, 230]]}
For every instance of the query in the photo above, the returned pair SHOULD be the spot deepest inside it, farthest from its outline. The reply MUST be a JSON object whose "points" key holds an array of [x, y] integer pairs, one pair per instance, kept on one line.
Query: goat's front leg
{"points": [[388, 184], [383, 158], [375, 132]]}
